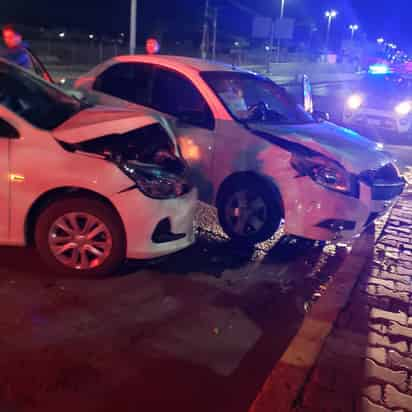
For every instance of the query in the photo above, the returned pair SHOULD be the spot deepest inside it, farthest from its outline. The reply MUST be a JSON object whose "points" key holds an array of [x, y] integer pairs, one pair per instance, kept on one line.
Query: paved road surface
{"points": [[198, 331]]}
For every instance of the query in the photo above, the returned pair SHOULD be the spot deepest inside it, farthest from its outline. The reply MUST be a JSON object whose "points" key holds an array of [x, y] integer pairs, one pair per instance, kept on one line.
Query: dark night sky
{"points": [[392, 19]]}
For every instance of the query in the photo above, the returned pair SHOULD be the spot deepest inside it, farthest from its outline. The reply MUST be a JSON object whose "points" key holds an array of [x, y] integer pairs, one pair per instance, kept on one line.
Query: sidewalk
{"points": [[366, 362], [354, 350]]}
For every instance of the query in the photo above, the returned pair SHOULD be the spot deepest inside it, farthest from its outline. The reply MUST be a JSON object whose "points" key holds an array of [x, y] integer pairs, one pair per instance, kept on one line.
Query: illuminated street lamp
{"points": [[330, 15], [353, 28], [91, 36], [380, 40], [62, 34]]}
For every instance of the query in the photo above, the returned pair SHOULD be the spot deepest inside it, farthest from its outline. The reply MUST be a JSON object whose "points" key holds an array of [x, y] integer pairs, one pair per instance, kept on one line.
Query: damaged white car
{"points": [[89, 186], [256, 154]]}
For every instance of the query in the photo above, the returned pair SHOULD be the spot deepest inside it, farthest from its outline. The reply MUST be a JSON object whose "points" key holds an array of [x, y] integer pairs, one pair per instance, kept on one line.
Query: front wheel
{"points": [[249, 210], [80, 236]]}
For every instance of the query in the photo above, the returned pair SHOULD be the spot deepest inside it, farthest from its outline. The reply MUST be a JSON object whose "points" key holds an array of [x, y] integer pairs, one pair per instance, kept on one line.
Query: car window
{"points": [[35, 100], [127, 81], [174, 94], [240, 92], [391, 85], [7, 130]]}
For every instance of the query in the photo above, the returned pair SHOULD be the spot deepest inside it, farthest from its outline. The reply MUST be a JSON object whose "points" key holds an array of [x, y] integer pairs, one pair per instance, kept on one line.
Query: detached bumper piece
{"points": [[385, 183], [163, 233]]}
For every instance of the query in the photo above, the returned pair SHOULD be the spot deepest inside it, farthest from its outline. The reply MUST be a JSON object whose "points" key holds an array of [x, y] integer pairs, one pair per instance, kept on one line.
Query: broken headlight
{"points": [[326, 173], [155, 182]]}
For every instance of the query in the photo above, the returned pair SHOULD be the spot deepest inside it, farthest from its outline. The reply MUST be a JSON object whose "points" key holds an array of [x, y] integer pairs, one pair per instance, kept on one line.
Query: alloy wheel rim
{"points": [[80, 241], [246, 213]]}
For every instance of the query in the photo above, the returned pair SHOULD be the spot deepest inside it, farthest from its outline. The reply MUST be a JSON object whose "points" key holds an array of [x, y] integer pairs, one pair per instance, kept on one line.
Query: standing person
{"points": [[152, 46], [16, 50]]}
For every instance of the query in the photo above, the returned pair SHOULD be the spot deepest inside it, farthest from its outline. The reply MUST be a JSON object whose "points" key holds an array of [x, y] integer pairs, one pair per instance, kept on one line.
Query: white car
{"points": [[89, 186], [381, 106], [256, 154]]}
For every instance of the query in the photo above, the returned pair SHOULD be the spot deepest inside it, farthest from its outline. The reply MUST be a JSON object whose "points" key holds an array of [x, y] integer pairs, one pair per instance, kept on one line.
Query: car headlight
{"points": [[326, 173], [354, 101], [155, 182], [403, 108]]}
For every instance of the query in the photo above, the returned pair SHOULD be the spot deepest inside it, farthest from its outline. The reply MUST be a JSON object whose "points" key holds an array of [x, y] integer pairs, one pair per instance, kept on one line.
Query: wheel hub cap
{"points": [[246, 212], [80, 241]]}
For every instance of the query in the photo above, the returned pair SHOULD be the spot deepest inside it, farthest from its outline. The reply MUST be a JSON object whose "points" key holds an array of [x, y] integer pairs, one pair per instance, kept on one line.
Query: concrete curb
{"points": [[282, 389]]}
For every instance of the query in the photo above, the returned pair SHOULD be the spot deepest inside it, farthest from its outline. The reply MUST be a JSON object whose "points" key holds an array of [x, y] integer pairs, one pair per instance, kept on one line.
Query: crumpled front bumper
{"points": [[142, 217], [314, 212]]}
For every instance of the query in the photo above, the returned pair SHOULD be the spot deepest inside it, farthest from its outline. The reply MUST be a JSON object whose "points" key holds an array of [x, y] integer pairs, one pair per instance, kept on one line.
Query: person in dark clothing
{"points": [[16, 50]]}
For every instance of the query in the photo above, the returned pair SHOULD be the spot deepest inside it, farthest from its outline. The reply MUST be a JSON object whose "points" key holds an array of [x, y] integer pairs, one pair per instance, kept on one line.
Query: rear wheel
{"points": [[80, 236], [249, 210]]}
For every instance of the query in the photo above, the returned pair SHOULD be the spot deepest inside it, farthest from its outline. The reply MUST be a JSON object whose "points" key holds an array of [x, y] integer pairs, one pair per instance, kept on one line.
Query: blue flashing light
{"points": [[379, 69]]}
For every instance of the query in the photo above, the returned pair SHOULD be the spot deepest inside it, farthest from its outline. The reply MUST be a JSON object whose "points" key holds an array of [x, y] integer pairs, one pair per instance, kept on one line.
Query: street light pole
{"points": [[215, 17], [133, 23], [204, 45], [353, 28], [282, 13], [330, 14]]}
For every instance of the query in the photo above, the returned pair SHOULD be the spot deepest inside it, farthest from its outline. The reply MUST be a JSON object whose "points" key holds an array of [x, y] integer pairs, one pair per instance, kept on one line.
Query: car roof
{"points": [[193, 63]]}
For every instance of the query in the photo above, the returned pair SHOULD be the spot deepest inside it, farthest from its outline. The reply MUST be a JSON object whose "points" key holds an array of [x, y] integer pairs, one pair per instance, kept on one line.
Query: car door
{"points": [[178, 99], [7, 132]]}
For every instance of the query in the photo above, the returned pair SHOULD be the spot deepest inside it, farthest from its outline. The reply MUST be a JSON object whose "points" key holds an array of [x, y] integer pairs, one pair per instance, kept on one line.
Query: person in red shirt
{"points": [[152, 46], [16, 50]]}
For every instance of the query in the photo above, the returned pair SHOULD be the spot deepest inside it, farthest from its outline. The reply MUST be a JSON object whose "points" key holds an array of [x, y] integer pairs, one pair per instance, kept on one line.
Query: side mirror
{"points": [[321, 116]]}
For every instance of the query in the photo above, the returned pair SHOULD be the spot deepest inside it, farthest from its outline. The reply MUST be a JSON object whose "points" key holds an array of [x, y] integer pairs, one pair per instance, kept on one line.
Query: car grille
{"points": [[385, 182]]}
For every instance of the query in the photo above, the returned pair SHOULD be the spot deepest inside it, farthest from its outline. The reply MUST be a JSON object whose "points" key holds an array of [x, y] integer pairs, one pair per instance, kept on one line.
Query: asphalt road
{"points": [[197, 331]]}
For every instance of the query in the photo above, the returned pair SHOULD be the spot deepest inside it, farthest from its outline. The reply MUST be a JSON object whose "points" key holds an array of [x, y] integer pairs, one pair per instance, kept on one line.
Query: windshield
{"points": [[36, 101], [388, 85], [242, 93]]}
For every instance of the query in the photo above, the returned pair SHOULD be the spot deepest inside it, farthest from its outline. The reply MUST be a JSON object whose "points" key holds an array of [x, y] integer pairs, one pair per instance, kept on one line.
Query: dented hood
{"points": [[353, 151], [100, 121]]}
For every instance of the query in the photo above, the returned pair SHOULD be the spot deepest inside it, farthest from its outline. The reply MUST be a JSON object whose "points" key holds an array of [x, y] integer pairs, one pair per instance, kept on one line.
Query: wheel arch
{"points": [[250, 175], [52, 195]]}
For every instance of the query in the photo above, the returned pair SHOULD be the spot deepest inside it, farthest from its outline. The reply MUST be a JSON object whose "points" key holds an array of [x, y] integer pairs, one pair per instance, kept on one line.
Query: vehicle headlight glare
{"points": [[354, 101], [404, 108]]}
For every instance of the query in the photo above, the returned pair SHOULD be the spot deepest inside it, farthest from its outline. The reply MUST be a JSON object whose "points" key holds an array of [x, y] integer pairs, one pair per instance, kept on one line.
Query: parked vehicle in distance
{"points": [[256, 154], [381, 106], [89, 186]]}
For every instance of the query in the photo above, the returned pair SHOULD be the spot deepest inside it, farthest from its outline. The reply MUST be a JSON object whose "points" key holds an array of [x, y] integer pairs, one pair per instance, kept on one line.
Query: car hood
{"points": [[353, 151], [100, 121]]}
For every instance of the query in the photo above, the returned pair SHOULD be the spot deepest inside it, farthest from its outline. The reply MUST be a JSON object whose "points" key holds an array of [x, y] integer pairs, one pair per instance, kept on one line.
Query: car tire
{"points": [[249, 210], [80, 236]]}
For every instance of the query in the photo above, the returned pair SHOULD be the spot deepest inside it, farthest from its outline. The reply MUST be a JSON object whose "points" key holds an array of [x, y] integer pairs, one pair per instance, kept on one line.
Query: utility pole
{"points": [[330, 15], [282, 13], [205, 35], [215, 17], [133, 23]]}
